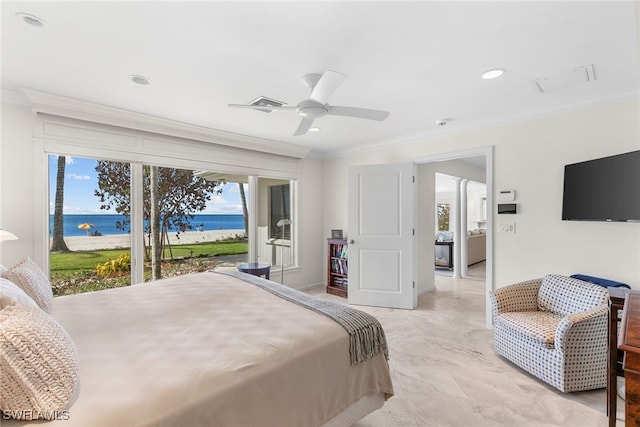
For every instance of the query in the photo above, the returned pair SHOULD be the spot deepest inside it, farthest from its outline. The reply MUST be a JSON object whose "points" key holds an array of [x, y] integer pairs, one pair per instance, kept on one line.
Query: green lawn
{"points": [[88, 260], [75, 272]]}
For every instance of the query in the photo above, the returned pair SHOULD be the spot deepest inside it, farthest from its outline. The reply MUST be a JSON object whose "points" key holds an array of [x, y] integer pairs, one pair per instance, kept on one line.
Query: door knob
{"points": [[351, 242]]}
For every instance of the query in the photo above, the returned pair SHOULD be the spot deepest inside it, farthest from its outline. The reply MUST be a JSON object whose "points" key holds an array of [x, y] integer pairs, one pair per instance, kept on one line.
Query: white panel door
{"points": [[381, 236]]}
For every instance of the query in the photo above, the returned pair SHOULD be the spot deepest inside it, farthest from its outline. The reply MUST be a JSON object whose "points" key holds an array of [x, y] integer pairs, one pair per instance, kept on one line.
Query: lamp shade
{"points": [[7, 235]]}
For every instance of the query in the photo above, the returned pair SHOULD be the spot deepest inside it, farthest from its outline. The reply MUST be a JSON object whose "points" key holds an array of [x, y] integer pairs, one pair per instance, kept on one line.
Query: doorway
{"points": [[470, 196], [480, 159]]}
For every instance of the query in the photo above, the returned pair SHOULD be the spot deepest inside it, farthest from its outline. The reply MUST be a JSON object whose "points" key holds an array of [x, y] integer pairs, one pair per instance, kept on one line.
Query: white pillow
{"points": [[28, 276], [10, 294], [38, 361]]}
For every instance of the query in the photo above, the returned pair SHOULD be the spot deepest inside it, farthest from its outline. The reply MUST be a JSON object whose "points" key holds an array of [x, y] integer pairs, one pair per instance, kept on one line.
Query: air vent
{"points": [[576, 76], [263, 101]]}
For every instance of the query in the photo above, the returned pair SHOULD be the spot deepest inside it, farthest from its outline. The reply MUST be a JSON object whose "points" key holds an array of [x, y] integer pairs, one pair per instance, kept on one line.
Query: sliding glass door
{"points": [[89, 246], [193, 220], [180, 221]]}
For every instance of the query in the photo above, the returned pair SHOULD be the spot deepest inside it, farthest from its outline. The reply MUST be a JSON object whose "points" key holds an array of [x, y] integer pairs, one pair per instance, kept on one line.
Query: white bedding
{"points": [[209, 350]]}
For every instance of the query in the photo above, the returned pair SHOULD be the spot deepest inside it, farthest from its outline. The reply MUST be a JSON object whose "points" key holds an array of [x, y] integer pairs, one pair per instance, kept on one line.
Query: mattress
{"points": [[207, 349]]}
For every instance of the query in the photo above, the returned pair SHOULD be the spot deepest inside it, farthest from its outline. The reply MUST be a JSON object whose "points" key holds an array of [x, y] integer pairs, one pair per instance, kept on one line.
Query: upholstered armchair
{"points": [[555, 328]]}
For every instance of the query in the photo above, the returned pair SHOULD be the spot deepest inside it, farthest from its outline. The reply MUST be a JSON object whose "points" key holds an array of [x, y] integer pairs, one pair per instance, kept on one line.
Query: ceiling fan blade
{"points": [[327, 84], [263, 107], [361, 113], [304, 126]]}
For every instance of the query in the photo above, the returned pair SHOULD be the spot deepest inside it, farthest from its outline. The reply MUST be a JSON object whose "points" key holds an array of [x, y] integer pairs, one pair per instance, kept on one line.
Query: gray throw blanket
{"points": [[366, 334]]}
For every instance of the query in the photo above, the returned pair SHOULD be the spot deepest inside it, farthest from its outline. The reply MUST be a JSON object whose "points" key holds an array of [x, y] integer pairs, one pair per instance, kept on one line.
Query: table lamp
{"points": [[7, 235], [282, 223]]}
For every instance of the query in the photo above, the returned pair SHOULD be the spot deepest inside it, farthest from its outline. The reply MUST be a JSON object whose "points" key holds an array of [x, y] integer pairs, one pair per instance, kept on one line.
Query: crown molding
{"points": [[42, 102]]}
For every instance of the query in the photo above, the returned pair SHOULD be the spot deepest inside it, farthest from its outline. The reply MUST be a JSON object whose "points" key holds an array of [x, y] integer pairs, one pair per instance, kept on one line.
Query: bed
{"points": [[213, 349]]}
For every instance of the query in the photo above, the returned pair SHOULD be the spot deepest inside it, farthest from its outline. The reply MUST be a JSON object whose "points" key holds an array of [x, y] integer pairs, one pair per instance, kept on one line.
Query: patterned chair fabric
{"points": [[554, 328]]}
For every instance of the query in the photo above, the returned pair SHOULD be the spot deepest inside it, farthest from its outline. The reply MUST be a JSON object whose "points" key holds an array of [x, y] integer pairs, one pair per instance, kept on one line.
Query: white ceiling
{"points": [[421, 61]]}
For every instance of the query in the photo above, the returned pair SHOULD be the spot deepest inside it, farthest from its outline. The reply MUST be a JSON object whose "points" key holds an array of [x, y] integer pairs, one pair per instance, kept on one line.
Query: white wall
{"points": [[21, 199], [529, 157], [16, 183], [311, 239]]}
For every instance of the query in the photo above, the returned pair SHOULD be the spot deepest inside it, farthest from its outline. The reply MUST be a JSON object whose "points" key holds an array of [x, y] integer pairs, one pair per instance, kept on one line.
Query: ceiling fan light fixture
{"points": [[493, 73], [316, 106], [141, 80], [311, 109], [30, 19]]}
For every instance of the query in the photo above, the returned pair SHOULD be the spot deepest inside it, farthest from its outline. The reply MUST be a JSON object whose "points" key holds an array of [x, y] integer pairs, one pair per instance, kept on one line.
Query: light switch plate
{"points": [[507, 228]]}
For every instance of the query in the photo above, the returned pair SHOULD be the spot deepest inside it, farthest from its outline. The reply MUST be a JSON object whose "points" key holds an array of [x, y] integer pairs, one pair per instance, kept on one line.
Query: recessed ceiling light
{"points": [[32, 20], [141, 80], [493, 74], [314, 129]]}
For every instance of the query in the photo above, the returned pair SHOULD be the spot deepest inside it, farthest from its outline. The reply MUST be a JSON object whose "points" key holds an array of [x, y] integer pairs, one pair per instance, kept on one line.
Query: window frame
{"points": [[106, 142]]}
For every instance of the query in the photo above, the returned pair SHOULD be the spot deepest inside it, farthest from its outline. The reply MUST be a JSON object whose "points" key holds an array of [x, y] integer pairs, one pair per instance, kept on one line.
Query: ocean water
{"points": [[106, 223]]}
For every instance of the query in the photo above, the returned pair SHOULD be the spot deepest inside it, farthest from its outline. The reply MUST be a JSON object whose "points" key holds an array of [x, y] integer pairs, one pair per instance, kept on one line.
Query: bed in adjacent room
{"points": [[213, 349]]}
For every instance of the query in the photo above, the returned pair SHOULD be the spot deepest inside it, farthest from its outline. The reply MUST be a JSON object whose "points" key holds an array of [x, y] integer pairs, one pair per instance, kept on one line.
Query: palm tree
{"points": [[58, 244], [245, 212]]}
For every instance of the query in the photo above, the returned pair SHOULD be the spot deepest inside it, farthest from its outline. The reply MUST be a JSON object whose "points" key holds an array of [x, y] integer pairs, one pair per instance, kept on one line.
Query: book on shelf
{"points": [[339, 266], [339, 250], [344, 267], [343, 251], [340, 282]]}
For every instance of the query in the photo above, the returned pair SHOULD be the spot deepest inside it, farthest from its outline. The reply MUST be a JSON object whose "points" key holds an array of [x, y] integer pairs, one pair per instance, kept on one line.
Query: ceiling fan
{"points": [[322, 86]]}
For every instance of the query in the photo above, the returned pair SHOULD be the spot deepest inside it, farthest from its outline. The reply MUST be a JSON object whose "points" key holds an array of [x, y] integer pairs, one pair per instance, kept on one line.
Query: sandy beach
{"points": [[114, 241]]}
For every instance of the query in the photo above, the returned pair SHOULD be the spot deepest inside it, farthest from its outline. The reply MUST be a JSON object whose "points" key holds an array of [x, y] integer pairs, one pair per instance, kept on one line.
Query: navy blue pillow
{"points": [[602, 282]]}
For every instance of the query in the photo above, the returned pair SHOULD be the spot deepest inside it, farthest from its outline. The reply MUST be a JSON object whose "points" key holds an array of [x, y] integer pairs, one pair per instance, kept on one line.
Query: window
{"points": [[443, 211], [89, 247], [198, 221], [280, 208], [182, 148], [247, 198], [201, 223]]}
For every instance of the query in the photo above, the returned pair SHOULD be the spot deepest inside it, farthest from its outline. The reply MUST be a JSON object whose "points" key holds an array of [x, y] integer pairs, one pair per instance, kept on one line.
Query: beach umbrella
{"points": [[85, 226]]}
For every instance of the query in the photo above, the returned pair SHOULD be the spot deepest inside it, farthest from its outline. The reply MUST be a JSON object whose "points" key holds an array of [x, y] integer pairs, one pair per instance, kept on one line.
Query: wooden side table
{"points": [[629, 341], [255, 268], [614, 365]]}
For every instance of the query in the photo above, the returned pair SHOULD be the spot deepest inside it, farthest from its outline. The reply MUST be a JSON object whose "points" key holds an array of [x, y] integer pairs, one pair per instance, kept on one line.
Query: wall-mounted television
{"points": [[605, 189]]}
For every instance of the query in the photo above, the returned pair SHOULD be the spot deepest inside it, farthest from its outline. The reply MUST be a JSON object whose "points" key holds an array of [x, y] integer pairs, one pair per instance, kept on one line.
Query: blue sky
{"points": [[81, 179]]}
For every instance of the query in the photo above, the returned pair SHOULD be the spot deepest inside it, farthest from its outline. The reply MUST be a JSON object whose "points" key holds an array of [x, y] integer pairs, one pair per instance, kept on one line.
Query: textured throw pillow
{"points": [[39, 364], [28, 276], [10, 294]]}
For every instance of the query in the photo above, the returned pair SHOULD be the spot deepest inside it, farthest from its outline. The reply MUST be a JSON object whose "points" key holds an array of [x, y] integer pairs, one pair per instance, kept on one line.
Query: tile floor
{"points": [[446, 373]]}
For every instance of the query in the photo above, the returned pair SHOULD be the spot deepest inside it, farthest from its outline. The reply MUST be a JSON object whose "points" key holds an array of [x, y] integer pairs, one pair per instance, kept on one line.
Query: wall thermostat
{"points": [[507, 208], [506, 195]]}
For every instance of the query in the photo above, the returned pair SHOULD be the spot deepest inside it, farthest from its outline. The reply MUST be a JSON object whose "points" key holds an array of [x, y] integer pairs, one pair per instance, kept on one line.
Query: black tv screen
{"points": [[606, 189]]}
